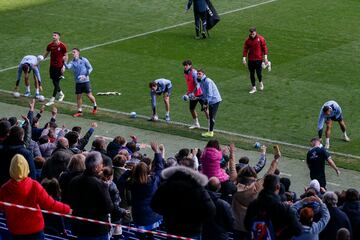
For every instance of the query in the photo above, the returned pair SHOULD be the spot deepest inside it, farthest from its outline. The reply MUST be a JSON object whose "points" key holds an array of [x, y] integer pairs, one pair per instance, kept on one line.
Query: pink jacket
{"points": [[210, 160]]}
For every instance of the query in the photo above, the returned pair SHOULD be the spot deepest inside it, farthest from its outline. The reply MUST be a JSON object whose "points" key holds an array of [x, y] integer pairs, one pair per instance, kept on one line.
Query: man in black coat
{"points": [[221, 224], [338, 218], [282, 216], [58, 161], [183, 201], [90, 198], [14, 144]]}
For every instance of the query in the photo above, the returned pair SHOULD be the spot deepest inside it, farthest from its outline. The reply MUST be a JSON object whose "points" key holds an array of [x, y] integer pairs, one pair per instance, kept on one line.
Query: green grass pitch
{"points": [[314, 47]]}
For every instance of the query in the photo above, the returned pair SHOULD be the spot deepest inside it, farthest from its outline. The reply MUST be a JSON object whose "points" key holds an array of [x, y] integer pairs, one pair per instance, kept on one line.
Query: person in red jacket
{"points": [[22, 190], [256, 51], [193, 92], [58, 52]]}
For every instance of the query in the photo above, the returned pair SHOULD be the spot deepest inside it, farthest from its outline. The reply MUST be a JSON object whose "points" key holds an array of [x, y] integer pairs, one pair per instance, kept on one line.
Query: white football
{"points": [[185, 97], [155, 118], [133, 114], [41, 98], [16, 94]]}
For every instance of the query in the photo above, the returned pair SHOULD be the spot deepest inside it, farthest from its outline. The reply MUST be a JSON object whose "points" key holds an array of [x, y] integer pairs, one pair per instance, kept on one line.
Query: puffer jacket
{"points": [[210, 164]]}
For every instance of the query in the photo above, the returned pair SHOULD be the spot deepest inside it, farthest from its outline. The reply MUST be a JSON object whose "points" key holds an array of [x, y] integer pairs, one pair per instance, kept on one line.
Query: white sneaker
{"points": [[346, 138], [195, 125], [327, 145], [50, 102], [253, 90], [61, 97], [261, 86]]}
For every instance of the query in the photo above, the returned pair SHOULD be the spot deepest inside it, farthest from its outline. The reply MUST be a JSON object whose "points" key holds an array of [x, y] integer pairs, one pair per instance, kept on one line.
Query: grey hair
{"points": [[330, 199], [93, 159]]}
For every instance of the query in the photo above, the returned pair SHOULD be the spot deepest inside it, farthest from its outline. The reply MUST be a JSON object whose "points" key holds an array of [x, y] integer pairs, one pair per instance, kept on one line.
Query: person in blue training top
{"points": [[81, 68], [199, 7], [158, 87], [28, 63], [211, 99], [329, 112]]}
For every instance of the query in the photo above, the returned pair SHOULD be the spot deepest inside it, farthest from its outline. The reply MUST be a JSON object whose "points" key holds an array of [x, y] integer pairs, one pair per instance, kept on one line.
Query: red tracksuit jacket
{"points": [[255, 48]]}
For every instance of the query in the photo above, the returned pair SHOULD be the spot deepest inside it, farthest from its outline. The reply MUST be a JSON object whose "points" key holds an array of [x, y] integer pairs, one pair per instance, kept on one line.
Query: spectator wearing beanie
{"points": [[338, 218], [20, 189]]}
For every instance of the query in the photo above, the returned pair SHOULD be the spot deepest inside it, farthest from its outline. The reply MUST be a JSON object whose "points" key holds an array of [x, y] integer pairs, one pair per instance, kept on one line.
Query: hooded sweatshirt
{"points": [[22, 190]]}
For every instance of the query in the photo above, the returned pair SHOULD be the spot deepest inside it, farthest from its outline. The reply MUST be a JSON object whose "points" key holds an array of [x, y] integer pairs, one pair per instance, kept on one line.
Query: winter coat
{"points": [[117, 212], [112, 149], [64, 182], [90, 198], [282, 216], [47, 149], [56, 164], [312, 232], [34, 149], [141, 195], [183, 201], [352, 210], [241, 200], [338, 219], [210, 164], [218, 227], [7, 152], [29, 193]]}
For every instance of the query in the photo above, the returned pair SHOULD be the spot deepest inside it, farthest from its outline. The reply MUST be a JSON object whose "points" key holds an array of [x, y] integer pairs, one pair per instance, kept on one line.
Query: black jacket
{"points": [[283, 217], [338, 219], [90, 198], [183, 201], [218, 227], [352, 210], [7, 152], [57, 163]]}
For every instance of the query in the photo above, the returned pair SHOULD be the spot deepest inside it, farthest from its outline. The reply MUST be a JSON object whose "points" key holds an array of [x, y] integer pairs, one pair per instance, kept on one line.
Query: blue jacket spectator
{"points": [[310, 229], [143, 188]]}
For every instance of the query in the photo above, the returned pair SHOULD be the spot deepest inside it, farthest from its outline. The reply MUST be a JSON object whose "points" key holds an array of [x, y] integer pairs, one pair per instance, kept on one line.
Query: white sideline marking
{"points": [[335, 184], [217, 130], [154, 31], [285, 174]]}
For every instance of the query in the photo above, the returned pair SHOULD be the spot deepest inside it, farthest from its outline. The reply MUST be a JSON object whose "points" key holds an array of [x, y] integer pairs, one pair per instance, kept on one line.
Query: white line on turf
{"points": [[156, 30], [217, 130], [335, 184]]}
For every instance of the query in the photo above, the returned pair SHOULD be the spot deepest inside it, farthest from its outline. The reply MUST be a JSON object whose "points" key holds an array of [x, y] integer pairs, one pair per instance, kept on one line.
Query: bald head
{"points": [[63, 142], [214, 184]]}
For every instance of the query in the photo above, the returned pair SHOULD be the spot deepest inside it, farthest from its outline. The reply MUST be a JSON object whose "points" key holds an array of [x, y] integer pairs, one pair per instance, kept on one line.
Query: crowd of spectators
{"points": [[198, 193]]}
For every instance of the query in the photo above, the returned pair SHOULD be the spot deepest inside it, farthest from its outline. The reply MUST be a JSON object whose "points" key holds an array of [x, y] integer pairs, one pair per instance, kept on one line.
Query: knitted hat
{"points": [[19, 168]]}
